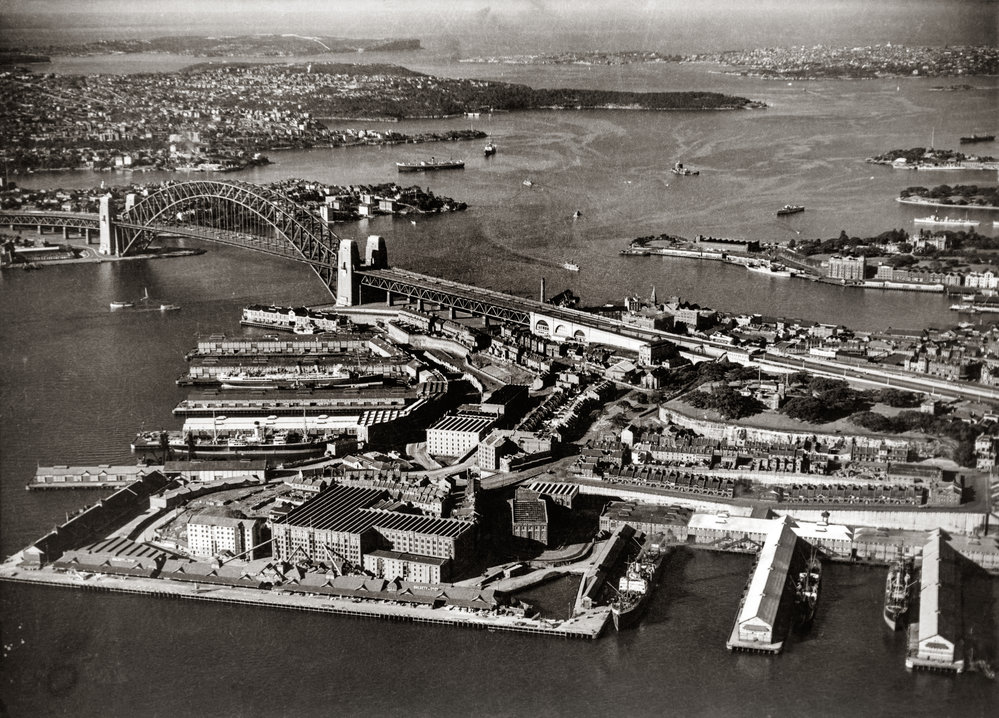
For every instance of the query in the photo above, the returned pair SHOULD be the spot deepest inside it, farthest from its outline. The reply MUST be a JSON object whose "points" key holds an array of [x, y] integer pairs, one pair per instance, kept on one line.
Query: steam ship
{"points": [[638, 582], [431, 165], [897, 587]]}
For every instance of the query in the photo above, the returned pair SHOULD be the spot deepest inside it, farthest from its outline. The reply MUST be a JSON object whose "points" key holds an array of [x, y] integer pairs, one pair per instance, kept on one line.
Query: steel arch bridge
{"points": [[238, 213]]}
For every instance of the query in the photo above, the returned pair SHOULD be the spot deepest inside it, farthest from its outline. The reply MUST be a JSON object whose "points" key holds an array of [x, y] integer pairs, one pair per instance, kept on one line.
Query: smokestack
{"points": [[543, 296]]}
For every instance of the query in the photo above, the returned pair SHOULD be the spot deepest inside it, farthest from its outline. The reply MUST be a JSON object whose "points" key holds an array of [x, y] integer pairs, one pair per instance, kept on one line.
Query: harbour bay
{"points": [[78, 381]]}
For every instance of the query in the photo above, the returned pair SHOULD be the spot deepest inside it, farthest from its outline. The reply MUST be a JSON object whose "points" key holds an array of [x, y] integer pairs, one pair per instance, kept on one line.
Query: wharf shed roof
{"points": [[244, 465], [727, 522], [766, 587], [939, 592], [334, 509]]}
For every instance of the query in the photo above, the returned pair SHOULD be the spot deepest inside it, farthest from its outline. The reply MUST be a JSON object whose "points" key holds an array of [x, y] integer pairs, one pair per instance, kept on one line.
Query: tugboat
{"points": [[806, 592], [489, 150], [790, 209], [635, 587], [897, 587]]}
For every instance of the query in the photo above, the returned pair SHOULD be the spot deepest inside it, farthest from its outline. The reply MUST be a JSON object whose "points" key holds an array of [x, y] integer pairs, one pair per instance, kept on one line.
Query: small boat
{"points": [[946, 221], [429, 166], [570, 266], [169, 307], [527, 183], [122, 304], [489, 150], [577, 214], [679, 169], [790, 209]]}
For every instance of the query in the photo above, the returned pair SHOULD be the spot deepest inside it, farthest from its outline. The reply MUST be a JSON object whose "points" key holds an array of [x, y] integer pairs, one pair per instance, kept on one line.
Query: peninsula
{"points": [[971, 196], [234, 111], [799, 63]]}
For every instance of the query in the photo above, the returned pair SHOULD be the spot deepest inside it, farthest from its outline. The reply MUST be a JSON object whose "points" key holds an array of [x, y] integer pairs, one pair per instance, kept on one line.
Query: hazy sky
{"points": [[735, 23]]}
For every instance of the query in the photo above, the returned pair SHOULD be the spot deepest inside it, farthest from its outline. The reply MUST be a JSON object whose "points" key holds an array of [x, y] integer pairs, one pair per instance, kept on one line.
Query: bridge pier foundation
{"points": [[452, 313], [419, 304], [388, 299], [65, 232], [41, 230]]}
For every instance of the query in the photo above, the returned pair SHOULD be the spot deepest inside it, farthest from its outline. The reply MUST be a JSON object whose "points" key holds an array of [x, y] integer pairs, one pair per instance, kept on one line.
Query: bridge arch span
{"points": [[232, 204]]}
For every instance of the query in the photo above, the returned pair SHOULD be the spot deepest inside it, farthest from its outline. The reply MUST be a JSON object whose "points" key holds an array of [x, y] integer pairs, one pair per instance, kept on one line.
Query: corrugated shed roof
{"points": [[939, 592], [767, 584]]}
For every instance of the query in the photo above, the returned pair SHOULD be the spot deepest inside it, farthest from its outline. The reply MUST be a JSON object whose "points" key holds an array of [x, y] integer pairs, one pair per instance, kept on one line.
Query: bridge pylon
{"points": [[348, 283], [108, 231]]}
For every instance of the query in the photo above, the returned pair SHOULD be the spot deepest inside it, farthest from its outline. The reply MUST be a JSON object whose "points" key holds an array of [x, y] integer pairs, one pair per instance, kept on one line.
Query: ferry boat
{"points": [[898, 584], [946, 221], [638, 582], [570, 266], [806, 592], [976, 138], [254, 444], [489, 150], [790, 209], [679, 169], [429, 166]]}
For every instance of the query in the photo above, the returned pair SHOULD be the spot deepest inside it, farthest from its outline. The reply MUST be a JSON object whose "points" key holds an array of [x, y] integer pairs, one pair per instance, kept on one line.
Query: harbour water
{"points": [[76, 382]]}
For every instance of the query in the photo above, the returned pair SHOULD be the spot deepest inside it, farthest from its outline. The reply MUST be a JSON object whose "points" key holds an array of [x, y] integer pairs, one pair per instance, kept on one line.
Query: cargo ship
{"points": [[946, 221], [806, 592], [253, 444], [279, 380], [638, 582], [790, 209], [429, 166], [977, 138], [897, 587]]}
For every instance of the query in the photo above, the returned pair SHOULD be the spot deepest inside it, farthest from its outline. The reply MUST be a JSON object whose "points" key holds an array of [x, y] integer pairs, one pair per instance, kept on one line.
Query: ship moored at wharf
{"points": [[430, 165], [806, 592], [636, 586], [261, 443], [898, 586]]}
